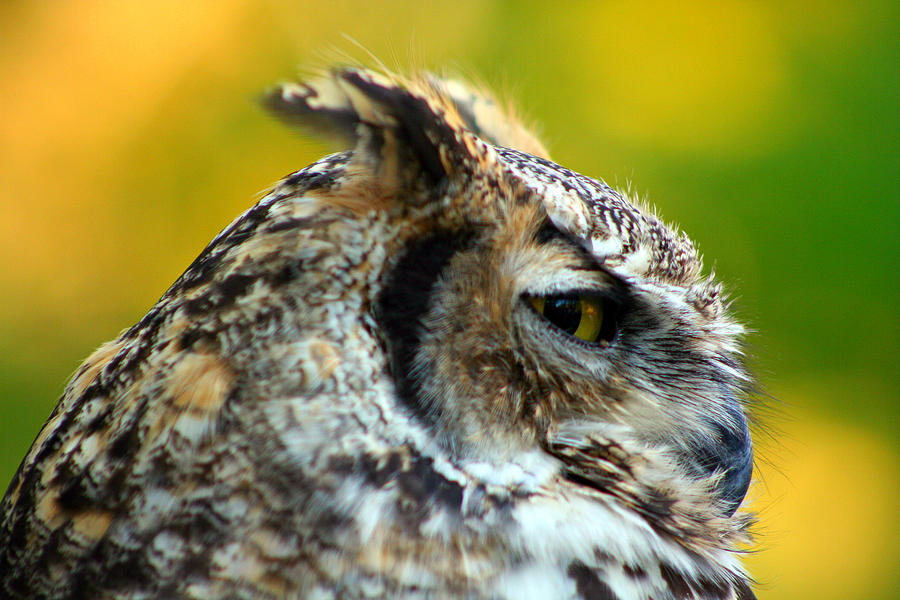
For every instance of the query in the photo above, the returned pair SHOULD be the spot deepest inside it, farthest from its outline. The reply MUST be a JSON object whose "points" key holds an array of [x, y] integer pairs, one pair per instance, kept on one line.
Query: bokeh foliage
{"points": [[768, 130]]}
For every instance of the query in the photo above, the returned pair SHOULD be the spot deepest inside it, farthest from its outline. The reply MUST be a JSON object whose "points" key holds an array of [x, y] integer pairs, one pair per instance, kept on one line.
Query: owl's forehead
{"points": [[619, 235]]}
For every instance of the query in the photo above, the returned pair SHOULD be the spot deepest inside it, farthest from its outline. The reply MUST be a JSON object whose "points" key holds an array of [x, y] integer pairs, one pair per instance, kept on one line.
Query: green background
{"points": [[767, 130]]}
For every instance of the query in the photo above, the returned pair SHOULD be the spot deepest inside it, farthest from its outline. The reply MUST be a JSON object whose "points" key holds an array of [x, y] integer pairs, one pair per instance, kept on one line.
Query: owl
{"points": [[435, 365]]}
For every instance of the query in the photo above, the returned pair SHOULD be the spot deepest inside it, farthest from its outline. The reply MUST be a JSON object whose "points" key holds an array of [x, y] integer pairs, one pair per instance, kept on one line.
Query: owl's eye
{"points": [[588, 318]]}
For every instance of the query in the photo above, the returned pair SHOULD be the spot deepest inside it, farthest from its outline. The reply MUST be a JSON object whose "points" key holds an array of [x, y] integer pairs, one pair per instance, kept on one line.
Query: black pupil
{"points": [[564, 313]]}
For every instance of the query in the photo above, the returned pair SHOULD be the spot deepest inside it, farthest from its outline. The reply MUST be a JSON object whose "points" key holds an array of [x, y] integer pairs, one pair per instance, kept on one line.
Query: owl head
{"points": [[521, 306]]}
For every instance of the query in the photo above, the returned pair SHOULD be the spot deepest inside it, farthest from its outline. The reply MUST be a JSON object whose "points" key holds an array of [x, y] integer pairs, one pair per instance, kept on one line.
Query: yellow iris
{"points": [[538, 303]]}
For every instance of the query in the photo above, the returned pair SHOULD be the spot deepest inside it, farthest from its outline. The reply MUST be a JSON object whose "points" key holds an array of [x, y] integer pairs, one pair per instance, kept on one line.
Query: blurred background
{"points": [[129, 137]]}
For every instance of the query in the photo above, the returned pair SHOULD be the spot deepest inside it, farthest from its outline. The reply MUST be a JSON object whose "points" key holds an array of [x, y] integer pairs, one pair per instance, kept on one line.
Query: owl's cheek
{"points": [[472, 389], [491, 378]]}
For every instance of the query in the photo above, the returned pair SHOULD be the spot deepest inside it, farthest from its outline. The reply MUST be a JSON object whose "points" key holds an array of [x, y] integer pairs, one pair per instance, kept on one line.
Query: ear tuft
{"points": [[393, 123]]}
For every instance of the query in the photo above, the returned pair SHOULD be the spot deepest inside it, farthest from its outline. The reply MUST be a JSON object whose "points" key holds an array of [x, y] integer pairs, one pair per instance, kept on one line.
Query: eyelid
{"points": [[575, 282]]}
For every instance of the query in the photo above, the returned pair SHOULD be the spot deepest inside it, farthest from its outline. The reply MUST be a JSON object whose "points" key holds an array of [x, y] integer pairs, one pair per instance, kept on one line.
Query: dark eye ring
{"points": [[590, 318]]}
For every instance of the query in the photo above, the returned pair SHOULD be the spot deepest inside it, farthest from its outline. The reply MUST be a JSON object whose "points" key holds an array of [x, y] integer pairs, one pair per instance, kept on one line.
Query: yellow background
{"points": [[768, 130]]}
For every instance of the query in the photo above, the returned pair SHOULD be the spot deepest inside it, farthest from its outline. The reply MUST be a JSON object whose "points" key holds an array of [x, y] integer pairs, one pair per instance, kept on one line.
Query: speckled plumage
{"points": [[348, 395]]}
